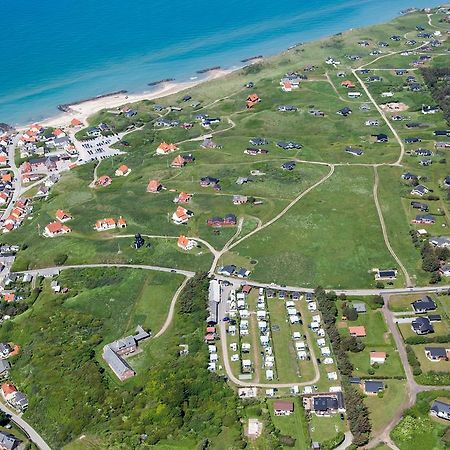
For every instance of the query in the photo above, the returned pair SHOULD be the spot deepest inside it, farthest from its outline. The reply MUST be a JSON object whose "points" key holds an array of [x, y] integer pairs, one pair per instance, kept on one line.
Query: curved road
{"points": [[32, 434]]}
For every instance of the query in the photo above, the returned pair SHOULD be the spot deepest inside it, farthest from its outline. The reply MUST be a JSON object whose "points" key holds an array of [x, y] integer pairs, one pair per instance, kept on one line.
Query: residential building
{"points": [[283, 407], [104, 180], [373, 387], [377, 357], [186, 243], [423, 305], [181, 215], [164, 148], [63, 216], [105, 224], [422, 325], [436, 353], [440, 409], [182, 197], [8, 441], [122, 171], [357, 331], [56, 229], [154, 186]]}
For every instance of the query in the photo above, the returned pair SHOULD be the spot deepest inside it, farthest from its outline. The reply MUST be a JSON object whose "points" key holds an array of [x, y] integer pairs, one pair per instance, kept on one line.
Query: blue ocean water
{"points": [[60, 51]]}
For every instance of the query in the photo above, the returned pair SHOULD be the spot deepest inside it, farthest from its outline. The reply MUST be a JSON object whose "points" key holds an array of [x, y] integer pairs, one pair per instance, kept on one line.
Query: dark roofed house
{"points": [[327, 404], [227, 270], [354, 151], [4, 368], [422, 325], [440, 409], [8, 441], [117, 364], [344, 111], [360, 307], [283, 407], [423, 305], [380, 137], [372, 387], [408, 176], [436, 353], [289, 165]]}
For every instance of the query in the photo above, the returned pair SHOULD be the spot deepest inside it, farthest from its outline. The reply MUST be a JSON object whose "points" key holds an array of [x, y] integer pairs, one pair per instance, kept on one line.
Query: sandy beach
{"points": [[85, 109]]}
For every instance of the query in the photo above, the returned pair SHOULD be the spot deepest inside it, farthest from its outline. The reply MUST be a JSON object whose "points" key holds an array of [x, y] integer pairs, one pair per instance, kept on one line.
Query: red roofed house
{"points": [[165, 148], [104, 180], [252, 100], [348, 84], [3, 160], [283, 407], [121, 222], [8, 390], [358, 331], [185, 243], [123, 171], [181, 215], [75, 122], [183, 197], [287, 86], [154, 186], [58, 133], [178, 162], [56, 229], [63, 216], [377, 357], [3, 198], [9, 297], [7, 177], [105, 224], [26, 167]]}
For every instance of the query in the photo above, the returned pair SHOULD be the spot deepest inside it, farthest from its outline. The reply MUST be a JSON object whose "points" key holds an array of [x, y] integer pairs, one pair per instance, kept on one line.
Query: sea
{"points": [[61, 51]]}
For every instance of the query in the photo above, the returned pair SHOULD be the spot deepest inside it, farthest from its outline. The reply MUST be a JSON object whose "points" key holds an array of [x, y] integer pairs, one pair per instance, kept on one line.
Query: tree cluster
{"points": [[437, 80]]}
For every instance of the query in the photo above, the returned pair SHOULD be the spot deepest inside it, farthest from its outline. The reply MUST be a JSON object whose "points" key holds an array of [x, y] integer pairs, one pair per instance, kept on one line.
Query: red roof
{"points": [[153, 186], [184, 197], [8, 388], [75, 122], [358, 331]]}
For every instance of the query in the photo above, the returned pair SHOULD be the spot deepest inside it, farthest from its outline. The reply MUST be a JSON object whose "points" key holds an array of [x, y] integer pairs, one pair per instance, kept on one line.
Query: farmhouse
{"points": [[436, 353], [440, 409], [182, 197], [181, 215], [283, 408], [186, 244], [105, 224], [104, 180], [423, 305], [357, 331], [63, 216], [377, 357], [56, 229], [154, 186], [164, 148], [122, 171]]}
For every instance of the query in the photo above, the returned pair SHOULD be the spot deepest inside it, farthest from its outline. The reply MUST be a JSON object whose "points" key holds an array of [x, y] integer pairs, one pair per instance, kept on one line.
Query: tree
{"points": [[350, 313], [60, 259], [378, 300], [435, 277]]}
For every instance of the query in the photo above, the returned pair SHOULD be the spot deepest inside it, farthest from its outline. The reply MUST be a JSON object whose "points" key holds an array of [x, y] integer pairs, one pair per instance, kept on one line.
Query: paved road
{"points": [[384, 230], [346, 442], [16, 179], [50, 271], [32, 434]]}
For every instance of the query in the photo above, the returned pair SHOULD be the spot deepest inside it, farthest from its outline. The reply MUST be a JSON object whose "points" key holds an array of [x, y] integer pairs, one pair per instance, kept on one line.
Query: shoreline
{"points": [[83, 109]]}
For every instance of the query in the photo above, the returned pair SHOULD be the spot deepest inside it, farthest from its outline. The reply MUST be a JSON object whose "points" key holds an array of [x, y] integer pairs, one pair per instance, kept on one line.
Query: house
{"points": [[422, 325], [104, 180], [354, 151], [258, 141], [436, 353], [372, 387], [75, 122], [122, 171], [446, 181], [372, 123], [427, 109], [252, 100], [182, 197], [357, 331], [344, 111], [412, 140], [154, 186], [181, 215], [420, 190], [360, 307], [9, 297], [209, 181], [19, 401], [8, 390], [283, 407], [121, 222], [164, 148], [377, 357], [62, 216], [440, 241], [354, 94], [325, 404], [348, 84], [423, 152], [178, 162], [227, 221], [105, 224], [5, 366], [426, 219], [185, 243], [380, 137], [287, 108], [117, 364], [440, 409], [56, 229], [289, 165], [423, 305], [5, 350], [239, 199], [408, 176], [227, 270], [445, 270]]}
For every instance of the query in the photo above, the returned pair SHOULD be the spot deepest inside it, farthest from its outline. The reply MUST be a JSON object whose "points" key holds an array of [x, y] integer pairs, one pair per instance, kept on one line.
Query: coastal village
{"points": [[313, 198]]}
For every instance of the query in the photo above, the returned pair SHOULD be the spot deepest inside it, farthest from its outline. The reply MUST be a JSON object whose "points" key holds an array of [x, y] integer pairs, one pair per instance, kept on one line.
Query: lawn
{"points": [[440, 328], [325, 428], [294, 425], [383, 409], [332, 237], [427, 365]]}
